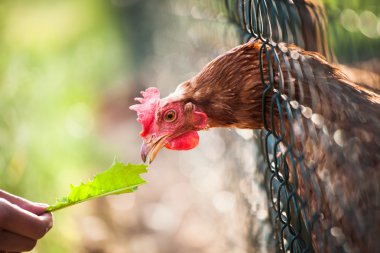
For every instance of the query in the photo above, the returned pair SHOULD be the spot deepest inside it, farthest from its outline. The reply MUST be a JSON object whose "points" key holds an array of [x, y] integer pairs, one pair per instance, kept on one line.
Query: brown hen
{"points": [[336, 131]]}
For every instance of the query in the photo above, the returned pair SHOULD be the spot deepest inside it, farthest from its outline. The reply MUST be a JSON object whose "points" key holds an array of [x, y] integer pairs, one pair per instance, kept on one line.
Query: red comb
{"points": [[147, 108]]}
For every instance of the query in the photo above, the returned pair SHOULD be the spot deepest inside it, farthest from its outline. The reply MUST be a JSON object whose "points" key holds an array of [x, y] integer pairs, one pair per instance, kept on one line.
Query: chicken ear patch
{"points": [[147, 108]]}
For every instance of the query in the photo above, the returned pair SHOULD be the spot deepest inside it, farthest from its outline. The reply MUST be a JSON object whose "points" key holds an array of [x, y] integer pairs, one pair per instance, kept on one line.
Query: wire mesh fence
{"points": [[295, 132], [300, 22]]}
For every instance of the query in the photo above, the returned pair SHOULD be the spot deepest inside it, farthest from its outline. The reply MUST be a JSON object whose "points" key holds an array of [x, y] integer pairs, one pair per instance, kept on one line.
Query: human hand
{"points": [[22, 223]]}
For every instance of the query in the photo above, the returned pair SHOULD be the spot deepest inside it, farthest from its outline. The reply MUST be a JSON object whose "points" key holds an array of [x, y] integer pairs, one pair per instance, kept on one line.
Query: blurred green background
{"points": [[354, 28], [56, 59], [68, 72]]}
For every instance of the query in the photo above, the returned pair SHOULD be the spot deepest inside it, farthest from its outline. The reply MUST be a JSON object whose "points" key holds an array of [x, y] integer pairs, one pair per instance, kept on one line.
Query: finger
{"points": [[19, 221], [10, 242], [37, 208]]}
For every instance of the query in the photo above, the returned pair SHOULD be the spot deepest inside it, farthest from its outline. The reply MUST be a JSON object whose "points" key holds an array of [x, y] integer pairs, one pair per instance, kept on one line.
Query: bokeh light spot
{"points": [[349, 20], [224, 201], [368, 24]]}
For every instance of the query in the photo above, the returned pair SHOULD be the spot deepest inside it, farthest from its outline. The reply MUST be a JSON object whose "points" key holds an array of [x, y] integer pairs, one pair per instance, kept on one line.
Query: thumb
{"points": [[36, 208]]}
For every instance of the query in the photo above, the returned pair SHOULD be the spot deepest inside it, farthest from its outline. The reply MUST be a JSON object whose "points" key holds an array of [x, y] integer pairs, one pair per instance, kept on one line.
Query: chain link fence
{"points": [[294, 133]]}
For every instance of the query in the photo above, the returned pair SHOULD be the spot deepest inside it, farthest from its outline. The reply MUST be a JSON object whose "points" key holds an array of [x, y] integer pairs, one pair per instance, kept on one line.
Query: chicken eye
{"points": [[170, 116]]}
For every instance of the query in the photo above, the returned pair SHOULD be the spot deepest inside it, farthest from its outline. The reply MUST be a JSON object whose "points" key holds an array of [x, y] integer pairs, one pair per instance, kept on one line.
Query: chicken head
{"points": [[167, 123]]}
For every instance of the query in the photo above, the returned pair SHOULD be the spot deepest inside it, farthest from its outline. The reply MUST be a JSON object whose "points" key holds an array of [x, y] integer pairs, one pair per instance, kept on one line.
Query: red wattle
{"points": [[186, 141]]}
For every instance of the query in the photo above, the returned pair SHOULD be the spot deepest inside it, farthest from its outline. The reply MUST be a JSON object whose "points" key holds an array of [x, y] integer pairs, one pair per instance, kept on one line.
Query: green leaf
{"points": [[120, 178]]}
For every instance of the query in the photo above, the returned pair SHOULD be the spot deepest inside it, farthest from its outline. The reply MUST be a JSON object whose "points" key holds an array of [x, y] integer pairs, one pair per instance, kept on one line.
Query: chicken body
{"points": [[332, 122]]}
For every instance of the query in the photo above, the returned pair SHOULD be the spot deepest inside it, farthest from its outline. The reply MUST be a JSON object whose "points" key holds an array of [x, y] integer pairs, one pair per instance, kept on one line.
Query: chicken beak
{"points": [[149, 149]]}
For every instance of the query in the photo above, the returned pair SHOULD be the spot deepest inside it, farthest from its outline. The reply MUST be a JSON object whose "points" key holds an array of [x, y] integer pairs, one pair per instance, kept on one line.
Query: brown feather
{"points": [[337, 131]]}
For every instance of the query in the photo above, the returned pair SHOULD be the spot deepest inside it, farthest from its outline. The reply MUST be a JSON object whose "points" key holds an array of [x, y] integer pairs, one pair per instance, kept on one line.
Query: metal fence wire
{"points": [[271, 22], [294, 193]]}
